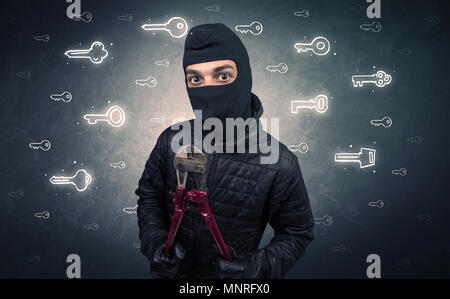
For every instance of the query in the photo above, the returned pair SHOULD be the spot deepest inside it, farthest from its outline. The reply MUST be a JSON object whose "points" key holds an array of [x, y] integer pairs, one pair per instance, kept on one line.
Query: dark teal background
{"points": [[412, 46]]}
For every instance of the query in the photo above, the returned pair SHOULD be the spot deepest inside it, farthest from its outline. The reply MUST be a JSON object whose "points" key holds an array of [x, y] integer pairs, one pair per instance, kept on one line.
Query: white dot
{"points": [[111, 44], [74, 162], [350, 146]]}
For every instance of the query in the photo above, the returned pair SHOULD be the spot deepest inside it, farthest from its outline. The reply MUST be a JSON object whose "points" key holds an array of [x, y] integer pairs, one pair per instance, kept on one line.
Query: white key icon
{"points": [[365, 157], [319, 46], [385, 122], [126, 18], [65, 96], [402, 171], [380, 79], [164, 62], [324, 220], [43, 145], [149, 82], [96, 53], [42, 38], [320, 104], [43, 215], [85, 17], [114, 116], [176, 26], [375, 27], [81, 180], [254, 28], [281, 68], [91, 226], [304, 13], [302, 148], [119, 164]]}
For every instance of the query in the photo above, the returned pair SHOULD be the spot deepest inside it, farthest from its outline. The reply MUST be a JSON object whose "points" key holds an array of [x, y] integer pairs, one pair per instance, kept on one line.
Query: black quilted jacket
{"points": [[244, 196]]}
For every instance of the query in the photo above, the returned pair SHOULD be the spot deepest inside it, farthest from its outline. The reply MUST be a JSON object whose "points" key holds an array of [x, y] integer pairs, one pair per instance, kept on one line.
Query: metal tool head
{"points": [[190, 159]]}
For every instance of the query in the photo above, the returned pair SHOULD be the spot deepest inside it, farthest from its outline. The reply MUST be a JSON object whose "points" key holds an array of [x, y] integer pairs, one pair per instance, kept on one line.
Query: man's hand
{"points": [[163, 266], [249, 266]]}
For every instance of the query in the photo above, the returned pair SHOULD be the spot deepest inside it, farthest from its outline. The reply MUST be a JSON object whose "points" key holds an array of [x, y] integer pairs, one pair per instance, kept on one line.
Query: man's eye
{"points": [[194, 79]]}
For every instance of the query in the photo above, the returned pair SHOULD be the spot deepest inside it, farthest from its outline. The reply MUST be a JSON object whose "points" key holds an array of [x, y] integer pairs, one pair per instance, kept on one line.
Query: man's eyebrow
{"points": [[216, 70], [193, 72], [221, 68]]}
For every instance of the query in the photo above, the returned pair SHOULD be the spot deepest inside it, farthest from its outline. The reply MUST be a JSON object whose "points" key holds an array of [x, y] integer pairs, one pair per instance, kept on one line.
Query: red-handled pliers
{"points": [[189, 159]]}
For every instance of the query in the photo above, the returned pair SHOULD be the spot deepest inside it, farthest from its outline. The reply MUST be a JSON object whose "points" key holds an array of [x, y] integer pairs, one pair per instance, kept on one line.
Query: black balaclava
{"points": [[216, 41]]}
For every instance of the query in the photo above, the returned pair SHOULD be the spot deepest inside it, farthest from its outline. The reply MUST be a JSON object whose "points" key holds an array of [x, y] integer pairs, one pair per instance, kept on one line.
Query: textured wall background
{"points": [[410, 233]]}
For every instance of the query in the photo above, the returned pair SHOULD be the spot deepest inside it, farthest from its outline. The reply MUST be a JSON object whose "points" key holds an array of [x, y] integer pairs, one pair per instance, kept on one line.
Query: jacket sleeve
{"points": [[152, 216], [291, 218]]}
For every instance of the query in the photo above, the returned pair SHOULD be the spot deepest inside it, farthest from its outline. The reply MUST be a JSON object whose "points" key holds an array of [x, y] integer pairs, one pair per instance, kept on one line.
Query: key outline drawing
{"points": [[39, 145], [276, 68], [385, 122], [246, 28], [107, 117], [163, 27], [371, 26], [65, 96], [66, 180], [401, 171], [319, 103], [42, 215], [165, 62], [149, 82], [319, 46], [91, 226], [42, 38], [380, 79], [356, 157], [303, 13], [86, 17], [302, 148], [325, 220], [126, 18], [84, 53], [120, 164]]}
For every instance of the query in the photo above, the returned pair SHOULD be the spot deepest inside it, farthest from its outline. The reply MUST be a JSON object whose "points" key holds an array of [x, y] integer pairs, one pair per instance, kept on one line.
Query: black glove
{"points": [[249, 266], [163, 266]]}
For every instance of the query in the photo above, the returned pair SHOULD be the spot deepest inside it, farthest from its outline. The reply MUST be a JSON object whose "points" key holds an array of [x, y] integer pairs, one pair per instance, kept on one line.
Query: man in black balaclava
{"points": [[244, 194], [215, 42]]}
